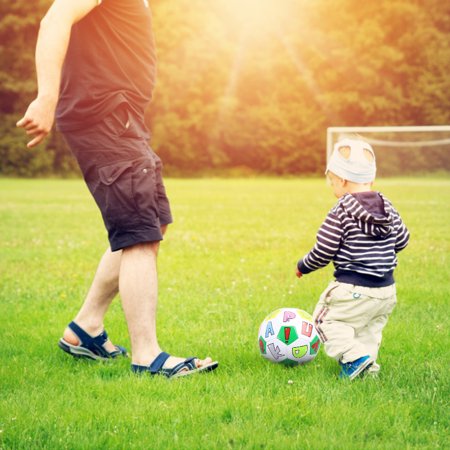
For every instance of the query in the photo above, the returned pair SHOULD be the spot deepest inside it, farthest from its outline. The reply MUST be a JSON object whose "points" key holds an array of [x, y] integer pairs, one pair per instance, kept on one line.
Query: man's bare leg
{"points": [[100, 295], [104, 288], [138, 285]]}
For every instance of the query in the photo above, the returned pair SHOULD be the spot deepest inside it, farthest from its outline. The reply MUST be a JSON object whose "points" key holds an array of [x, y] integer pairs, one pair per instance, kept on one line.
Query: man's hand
{"points": [[38, 119], [51, 48]]}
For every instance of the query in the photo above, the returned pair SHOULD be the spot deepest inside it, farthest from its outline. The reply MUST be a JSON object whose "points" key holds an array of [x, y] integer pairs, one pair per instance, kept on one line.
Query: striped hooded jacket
{"points": [[362, 235]]}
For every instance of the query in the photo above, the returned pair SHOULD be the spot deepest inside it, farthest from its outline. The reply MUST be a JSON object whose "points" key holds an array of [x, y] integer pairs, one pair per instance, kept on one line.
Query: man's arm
{"points": [[51, 48]]}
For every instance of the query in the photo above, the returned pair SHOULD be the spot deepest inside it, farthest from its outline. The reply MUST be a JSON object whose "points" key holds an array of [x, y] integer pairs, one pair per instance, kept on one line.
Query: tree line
{"points": [[242, 91]]}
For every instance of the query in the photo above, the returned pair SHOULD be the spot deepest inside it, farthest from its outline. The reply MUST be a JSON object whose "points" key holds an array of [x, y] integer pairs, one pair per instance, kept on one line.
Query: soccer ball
{"points": [[288, 336]]}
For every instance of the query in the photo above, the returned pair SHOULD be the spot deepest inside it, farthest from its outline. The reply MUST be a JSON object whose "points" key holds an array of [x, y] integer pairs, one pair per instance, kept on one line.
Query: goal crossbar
{"points": [[391, 129]]}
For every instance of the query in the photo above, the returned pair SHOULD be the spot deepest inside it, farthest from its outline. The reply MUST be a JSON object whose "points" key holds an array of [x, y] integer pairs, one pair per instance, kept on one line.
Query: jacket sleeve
{"points": [[402, 233], [327, 244]]}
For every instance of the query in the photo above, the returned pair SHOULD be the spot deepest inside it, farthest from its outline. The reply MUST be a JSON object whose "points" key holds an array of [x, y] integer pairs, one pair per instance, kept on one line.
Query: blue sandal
{"points": [[90, 347], [156, 367]]}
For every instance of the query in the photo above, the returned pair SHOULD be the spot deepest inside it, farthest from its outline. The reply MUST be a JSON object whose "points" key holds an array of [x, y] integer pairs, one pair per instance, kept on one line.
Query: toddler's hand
{"points": [[298, 273]]}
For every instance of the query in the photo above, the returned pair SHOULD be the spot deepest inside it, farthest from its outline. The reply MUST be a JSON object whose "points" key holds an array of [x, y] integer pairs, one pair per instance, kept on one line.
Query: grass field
{"points": [[227, 262]]}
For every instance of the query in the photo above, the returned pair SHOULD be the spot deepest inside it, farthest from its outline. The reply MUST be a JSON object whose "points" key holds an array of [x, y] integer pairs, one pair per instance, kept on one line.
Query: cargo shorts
{"points": [[124, 176]]}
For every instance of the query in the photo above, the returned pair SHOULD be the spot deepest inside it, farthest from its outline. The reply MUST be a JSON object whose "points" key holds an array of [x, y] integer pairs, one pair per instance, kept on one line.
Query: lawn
{"points": [[227, 261]]}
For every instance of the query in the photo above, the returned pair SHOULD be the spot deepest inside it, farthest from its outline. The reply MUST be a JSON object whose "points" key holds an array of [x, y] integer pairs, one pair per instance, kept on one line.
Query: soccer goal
{"points": [[401, 150]]}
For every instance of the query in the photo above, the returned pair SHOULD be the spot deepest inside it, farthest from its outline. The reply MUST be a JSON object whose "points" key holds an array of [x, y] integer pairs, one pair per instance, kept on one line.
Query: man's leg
{"points": [[100, 295], [103, 289], [138, 285]]}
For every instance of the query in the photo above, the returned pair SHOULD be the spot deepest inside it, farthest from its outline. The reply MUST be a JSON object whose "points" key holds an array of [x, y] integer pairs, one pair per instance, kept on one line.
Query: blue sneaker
{"points": [[373, 370], [352, 369]]}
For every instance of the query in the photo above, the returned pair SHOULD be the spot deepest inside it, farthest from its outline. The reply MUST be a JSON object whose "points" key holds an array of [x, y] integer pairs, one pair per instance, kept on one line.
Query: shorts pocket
{"points": [[114, 194], [118, 122], [109, 174], [145, 193]]}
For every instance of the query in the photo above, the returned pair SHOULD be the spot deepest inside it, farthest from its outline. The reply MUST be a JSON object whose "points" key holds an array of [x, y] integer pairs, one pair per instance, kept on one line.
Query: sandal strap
{"points": [[120, 351], [158, 362], [156, 367], [93, 343], [186, 364]]}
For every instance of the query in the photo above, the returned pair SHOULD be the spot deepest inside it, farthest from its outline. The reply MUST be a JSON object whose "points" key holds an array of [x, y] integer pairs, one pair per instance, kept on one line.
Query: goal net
{"points": [[402, 150]]}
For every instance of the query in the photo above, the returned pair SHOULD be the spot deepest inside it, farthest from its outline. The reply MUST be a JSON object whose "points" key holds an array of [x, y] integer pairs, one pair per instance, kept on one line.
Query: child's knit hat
{"points": [[353, 160]]}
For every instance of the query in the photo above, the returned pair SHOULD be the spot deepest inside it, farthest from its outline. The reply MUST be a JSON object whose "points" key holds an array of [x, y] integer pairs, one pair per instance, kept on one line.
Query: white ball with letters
{"points": [[288, 336]]}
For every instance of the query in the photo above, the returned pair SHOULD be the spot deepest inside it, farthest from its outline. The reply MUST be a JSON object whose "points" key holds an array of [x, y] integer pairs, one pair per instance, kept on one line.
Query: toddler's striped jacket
{"points": [[362, 235]]}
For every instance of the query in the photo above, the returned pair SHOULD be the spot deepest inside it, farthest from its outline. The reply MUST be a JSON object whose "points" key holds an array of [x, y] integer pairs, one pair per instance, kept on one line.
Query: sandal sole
{"points": [[79, 352], [209, 368]]}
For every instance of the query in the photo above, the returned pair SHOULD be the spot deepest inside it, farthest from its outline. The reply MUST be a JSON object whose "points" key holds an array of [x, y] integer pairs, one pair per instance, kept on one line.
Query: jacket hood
{"points": [[371, 211]]}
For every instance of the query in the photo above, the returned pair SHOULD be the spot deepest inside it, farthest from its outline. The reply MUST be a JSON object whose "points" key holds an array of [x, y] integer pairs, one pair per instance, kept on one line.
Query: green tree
{"points": [[19, 25], [235, 92]]}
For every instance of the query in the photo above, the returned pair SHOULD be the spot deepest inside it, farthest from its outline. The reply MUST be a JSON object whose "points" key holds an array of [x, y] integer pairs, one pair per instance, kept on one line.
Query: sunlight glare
{"points": [[255, 15]]}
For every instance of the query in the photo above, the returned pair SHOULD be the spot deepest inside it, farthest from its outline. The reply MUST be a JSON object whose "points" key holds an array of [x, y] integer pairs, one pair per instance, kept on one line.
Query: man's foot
{"points": [[355, 368], [70, 337], [173, 367], [81, 344], [172, 361]]}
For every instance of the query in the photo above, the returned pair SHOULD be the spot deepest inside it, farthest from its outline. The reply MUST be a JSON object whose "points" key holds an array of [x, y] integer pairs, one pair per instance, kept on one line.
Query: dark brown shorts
{"points": [[124, 176]]}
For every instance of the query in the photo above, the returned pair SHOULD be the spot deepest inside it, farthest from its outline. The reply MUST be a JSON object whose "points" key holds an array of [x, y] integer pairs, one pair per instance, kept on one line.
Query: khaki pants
{"points": [[350, 319]]}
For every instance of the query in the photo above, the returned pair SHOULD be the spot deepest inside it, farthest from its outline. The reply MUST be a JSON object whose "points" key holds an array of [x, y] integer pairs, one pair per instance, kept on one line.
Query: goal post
{"points": [[401, 149]]}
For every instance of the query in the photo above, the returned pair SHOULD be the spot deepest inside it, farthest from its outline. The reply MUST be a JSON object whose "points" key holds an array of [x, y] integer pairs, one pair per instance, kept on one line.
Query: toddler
{"points": [[362, 235]]}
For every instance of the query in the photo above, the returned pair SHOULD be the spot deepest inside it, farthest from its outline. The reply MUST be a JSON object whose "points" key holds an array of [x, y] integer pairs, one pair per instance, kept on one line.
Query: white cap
{"points": [[354, 166]]}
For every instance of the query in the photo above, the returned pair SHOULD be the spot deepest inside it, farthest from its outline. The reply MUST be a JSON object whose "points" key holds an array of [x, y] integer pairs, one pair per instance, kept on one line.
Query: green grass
{"points": [[227, 262]]}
